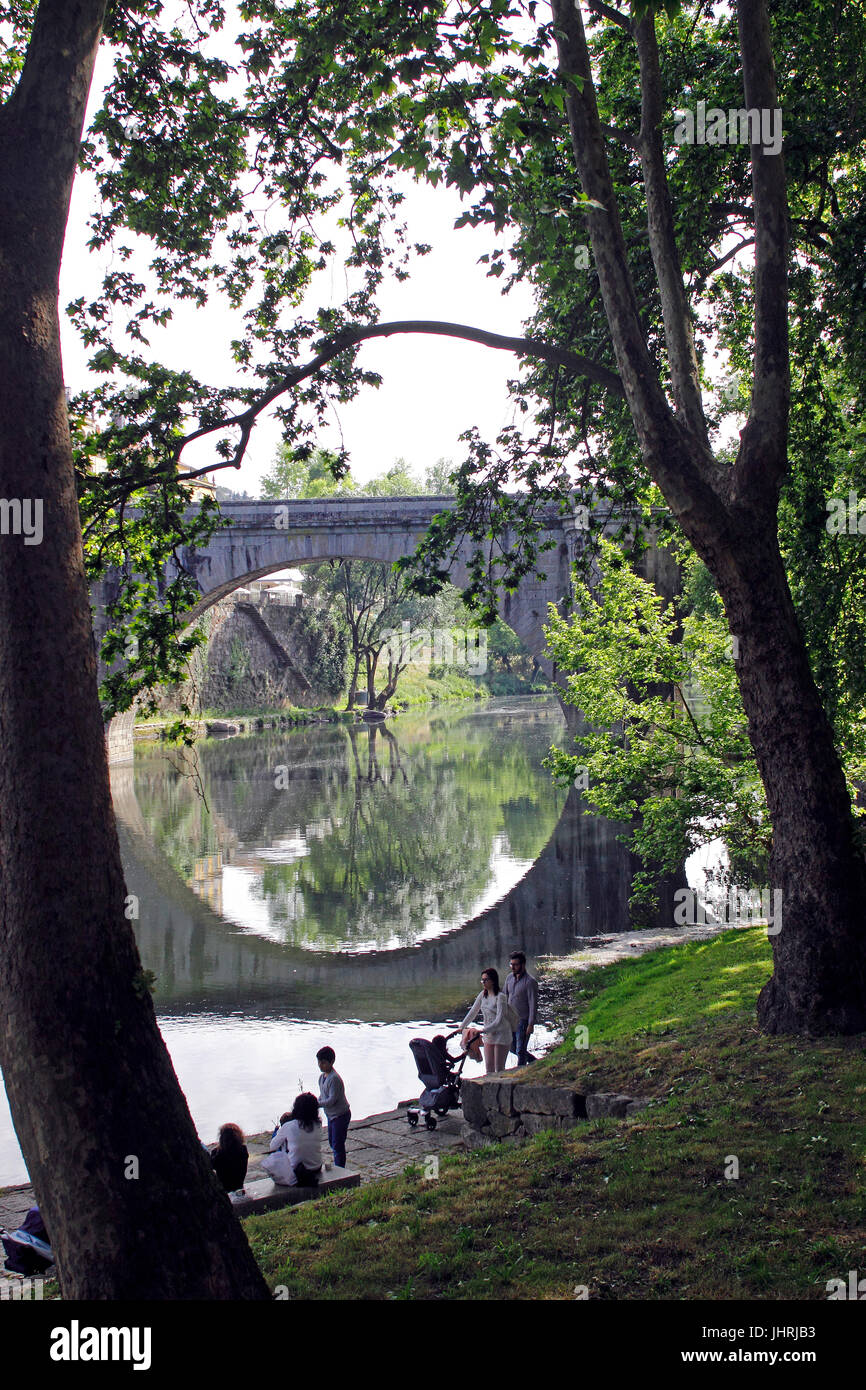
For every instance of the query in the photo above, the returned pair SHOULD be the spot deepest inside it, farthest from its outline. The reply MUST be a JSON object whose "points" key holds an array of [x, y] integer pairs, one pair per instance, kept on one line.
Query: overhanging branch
{"points": [[347, 338]]}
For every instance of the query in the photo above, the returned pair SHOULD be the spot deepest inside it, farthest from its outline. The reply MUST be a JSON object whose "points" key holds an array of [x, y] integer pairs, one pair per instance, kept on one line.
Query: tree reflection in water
{"points": [[372, 836]]}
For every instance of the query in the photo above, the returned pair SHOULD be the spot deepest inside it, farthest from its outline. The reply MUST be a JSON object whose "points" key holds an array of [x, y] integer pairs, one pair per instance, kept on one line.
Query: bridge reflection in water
{"points": [[244, 1004], [578, 886]]}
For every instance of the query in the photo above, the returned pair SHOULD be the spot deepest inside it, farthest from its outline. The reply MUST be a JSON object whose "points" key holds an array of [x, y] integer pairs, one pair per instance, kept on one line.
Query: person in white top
{"points": [[496, 1029], [296, 1147]]}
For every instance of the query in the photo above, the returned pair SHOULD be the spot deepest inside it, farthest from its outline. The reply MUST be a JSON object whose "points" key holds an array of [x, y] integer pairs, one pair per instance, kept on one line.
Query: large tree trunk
{"points": [[819, 984], [132, 1207]]}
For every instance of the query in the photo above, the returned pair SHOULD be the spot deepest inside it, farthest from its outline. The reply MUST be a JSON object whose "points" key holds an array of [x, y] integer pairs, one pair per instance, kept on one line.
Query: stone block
{"points": [[486, 1095], [505, 1098], [537, 1124], [607, 1103], [474, 1139], [266, 1195], [500, 1125], [548, 1100], [473, 1103]]}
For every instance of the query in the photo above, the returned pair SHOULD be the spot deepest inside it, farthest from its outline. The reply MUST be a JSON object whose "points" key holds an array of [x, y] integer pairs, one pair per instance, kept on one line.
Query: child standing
{"points": [[332, 1098]]}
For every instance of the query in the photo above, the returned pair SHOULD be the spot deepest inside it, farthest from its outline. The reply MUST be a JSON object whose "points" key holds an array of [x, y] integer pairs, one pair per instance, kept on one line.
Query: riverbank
{"points": [[245, 721], [415, 691], [377, 1146], [743, 1179]]}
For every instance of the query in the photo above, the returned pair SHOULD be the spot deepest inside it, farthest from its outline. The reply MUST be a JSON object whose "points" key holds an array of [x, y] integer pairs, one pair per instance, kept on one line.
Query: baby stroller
{"points": [[440, 1074]]}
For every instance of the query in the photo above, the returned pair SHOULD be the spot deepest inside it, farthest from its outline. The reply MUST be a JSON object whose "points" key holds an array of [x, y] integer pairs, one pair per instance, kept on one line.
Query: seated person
{"points": [[295, 1158], [230, 1158]]}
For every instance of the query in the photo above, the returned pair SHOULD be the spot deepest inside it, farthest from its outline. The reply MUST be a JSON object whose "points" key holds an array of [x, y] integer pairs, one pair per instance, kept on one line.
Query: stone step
{"points": [[267, 1195]]}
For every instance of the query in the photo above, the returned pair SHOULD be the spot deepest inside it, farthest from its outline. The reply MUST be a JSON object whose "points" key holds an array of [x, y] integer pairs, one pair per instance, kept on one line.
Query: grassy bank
{"points": [[290, 714], [629, 1209], [415, 687]]}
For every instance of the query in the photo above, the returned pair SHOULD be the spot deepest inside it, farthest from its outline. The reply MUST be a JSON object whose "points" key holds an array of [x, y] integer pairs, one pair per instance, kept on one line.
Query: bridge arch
{"points": [[263, 537]]}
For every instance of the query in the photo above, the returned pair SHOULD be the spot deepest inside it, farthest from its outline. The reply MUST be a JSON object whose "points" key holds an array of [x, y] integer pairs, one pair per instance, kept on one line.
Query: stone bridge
{"points": [[264, 536]]}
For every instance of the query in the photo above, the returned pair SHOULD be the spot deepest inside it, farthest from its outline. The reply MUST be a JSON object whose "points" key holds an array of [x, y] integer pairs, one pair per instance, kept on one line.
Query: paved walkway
{"points": [[604, 950], [376, 1146], [381, 1144]]}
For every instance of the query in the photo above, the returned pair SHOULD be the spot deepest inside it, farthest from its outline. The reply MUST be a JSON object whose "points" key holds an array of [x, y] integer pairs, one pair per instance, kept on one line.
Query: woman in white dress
{"points": [[496, 1029], [296, 1147]]}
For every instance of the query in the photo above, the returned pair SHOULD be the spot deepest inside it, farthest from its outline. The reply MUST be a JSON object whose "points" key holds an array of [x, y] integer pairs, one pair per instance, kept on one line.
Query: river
{"points": [[347, 885]]}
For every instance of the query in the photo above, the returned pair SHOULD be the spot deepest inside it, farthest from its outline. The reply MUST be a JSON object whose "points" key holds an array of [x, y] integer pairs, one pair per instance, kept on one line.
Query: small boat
{"points": [[374, 716]]}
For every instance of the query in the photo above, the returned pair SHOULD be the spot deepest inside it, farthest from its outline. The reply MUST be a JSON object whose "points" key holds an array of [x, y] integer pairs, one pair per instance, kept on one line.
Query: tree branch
{"points": [[679, 339], [623, 136], [341, 342], [602, 11], [763, 458], [722, 260]]}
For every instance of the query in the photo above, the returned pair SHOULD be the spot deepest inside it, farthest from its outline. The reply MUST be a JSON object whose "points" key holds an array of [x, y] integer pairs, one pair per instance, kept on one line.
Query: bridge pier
{"points": [[119, 736]]}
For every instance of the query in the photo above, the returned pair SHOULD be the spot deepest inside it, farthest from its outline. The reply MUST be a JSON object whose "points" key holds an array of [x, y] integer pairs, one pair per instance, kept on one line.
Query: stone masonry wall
{"points": [[256, 656], [499, 1107]]}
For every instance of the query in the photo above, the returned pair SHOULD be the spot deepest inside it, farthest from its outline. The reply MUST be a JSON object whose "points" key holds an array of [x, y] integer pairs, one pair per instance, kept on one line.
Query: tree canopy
{"points": [[265, 160], [663, 272]]}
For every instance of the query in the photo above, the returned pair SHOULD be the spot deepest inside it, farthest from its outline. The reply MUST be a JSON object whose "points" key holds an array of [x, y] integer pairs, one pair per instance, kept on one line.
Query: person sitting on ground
{"points": [[230, 1158], [295, 1158]]}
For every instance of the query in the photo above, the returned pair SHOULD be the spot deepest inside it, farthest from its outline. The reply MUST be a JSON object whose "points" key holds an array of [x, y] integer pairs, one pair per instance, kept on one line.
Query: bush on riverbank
{"points": [[638, 1209]]}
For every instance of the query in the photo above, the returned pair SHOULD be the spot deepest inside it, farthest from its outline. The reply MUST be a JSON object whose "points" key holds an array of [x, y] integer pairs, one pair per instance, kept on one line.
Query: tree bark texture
{"points": [[131, 1204]]}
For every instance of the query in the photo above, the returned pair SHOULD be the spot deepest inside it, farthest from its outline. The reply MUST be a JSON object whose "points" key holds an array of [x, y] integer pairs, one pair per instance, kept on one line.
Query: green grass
{"points": [[415, 687], [671, 988], [633, 1209]]}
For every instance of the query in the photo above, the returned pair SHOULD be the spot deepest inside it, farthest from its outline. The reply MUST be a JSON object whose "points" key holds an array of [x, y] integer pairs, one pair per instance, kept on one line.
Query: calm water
{"points": [[347, 885]]}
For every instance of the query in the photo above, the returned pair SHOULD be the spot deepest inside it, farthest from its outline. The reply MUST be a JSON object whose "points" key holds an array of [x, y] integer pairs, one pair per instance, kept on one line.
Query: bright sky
{"points": [[433, 388]]}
